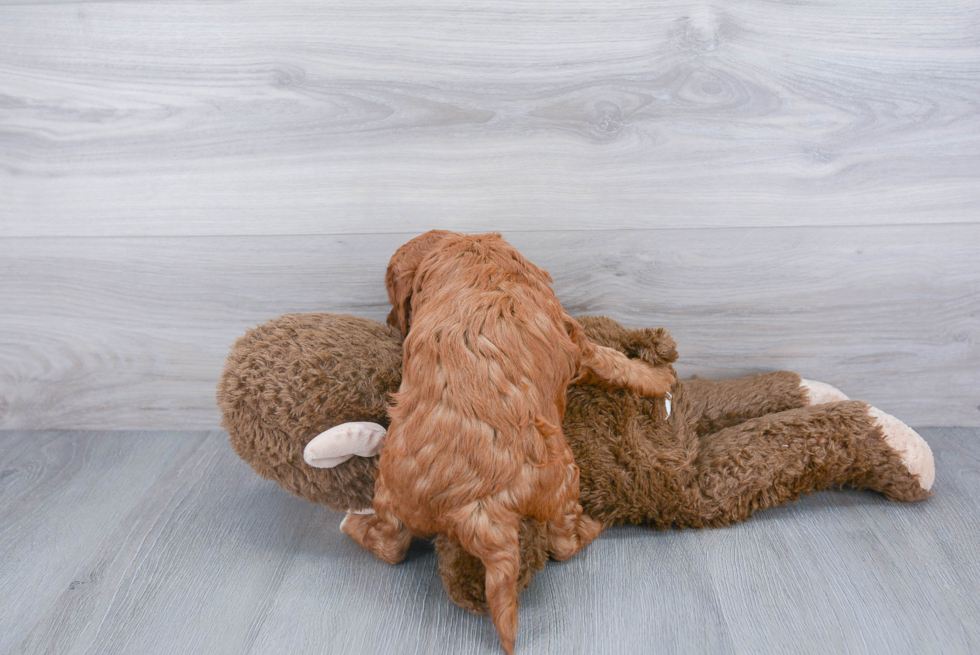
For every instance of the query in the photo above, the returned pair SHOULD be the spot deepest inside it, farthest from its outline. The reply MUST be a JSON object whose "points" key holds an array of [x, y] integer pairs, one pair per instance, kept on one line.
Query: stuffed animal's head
{"points": [[298, 375]]}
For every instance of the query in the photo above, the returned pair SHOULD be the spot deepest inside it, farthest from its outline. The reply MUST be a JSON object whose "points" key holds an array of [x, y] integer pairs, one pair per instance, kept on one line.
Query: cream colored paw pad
{"points": [[915, 453], [819, 393]]}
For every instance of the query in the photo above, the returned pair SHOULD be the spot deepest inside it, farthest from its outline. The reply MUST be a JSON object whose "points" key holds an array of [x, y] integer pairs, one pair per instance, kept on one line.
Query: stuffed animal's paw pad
{"points": [[915, 453], [818, 393]]}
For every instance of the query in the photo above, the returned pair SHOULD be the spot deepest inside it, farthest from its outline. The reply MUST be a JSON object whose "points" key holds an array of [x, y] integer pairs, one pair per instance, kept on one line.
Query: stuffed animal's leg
{"points": [[381, 533], [775, 458], [491, 533], [711, 405]]}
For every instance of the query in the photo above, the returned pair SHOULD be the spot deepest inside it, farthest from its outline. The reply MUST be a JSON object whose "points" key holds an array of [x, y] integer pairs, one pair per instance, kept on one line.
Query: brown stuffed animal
{"points": [[722, 450]]}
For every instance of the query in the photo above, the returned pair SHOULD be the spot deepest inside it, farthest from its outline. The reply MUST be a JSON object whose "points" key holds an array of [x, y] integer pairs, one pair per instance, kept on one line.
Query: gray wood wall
{"points": [[782, 185]]}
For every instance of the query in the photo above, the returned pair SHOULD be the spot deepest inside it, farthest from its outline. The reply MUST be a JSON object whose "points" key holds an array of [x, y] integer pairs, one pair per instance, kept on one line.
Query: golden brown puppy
{"points": [[475, 440]]}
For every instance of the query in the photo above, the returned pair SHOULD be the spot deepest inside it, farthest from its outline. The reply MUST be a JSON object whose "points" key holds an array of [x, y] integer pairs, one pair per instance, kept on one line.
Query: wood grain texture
{"points": [[131, 333], [195, 553], [61, 496], [296, 117], [187, 570]]}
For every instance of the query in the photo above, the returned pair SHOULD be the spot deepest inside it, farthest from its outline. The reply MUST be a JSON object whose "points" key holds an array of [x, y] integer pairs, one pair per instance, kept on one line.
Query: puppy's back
{"points": [[487, 361]]}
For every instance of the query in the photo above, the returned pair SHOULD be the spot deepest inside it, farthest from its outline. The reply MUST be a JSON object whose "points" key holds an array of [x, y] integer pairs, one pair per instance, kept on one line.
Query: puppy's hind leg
{"points": [[570, 531], [493, 537], [381, 533]]}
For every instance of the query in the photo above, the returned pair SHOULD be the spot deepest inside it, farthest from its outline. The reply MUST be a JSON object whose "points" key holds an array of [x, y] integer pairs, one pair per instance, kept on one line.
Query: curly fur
{"points": [[475, 442], [729, 448]]}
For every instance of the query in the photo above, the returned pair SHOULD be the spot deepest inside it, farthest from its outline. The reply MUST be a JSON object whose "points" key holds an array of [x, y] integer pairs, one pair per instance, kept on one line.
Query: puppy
{"points": [[475, 440]]}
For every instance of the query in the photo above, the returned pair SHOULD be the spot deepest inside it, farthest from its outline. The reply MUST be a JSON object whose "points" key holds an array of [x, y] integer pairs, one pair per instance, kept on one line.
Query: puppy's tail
{"points": [[610, 368], [494, 539]]}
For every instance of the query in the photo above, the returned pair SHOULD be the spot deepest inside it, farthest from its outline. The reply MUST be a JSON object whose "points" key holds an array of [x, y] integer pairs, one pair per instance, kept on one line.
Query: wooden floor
{"points": [[165, 542]]}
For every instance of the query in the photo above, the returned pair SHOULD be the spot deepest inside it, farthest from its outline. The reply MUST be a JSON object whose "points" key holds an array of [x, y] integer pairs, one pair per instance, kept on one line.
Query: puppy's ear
{"points": [[400, 294], [400, 278]]}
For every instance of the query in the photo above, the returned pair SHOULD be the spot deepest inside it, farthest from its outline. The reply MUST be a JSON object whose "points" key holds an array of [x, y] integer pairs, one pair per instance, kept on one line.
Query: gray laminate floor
{"points": [[164, 542]]}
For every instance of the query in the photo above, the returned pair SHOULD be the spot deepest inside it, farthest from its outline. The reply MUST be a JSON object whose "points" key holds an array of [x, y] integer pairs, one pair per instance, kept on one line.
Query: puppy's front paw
{"points": [[665, 377]]}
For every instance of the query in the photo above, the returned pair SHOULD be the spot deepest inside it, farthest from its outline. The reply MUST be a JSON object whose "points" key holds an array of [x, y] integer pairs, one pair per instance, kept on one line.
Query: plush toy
{"points": [[711, 455]]}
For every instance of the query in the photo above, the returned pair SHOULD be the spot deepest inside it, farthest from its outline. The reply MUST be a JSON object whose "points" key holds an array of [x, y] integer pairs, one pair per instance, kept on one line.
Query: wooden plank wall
{"points": [[783, 185]]}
